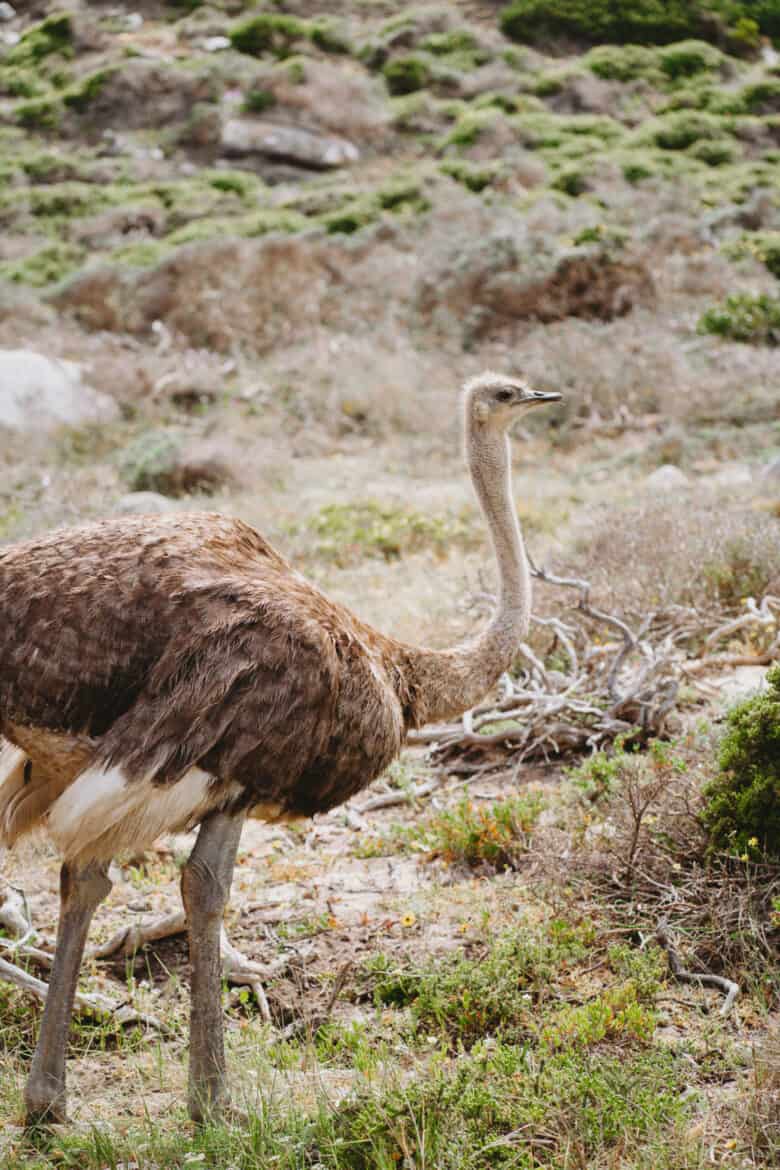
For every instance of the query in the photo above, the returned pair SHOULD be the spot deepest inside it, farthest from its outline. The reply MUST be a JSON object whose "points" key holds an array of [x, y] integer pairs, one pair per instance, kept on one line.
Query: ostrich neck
{"points": [[448, 682]]}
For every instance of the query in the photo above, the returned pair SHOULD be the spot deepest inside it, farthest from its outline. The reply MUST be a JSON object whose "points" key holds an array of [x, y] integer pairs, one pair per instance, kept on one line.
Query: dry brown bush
{"points": [[646, 850], [762, 1121], [258, 293], [646, 363], [492, 282], [338, 97], [689, 550]]}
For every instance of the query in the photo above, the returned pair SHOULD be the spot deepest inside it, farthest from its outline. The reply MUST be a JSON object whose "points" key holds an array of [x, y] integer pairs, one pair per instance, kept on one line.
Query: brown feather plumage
{"points": [[162, 643]]}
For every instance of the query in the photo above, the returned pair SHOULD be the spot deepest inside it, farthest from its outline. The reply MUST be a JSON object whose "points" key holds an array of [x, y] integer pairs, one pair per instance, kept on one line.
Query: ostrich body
{"points": [[162, 672]]}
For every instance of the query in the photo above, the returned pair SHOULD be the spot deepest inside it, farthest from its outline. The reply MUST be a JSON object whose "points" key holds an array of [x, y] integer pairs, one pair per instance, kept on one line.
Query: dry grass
{"points": [[687, 549]]}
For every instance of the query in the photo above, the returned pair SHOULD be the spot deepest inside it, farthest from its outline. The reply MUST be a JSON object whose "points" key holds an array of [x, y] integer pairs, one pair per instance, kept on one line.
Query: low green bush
{"points": [[742, 813], [688, 58], [622, 62], [268, 33], [763, 97], [498, 993], [679, 130], [406, 75], [52, 35], [655, 22], [149, 462], [763, 246], [745, 317]]}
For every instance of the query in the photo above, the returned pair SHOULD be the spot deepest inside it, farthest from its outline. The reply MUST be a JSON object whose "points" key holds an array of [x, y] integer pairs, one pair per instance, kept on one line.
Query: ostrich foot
{"points": [[236, 968]]}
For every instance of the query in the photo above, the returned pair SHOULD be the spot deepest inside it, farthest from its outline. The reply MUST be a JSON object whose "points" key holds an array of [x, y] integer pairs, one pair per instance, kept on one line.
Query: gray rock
{"points": [[36, 391], [667, 478], [731, 475], [144, 504], [304, 148], [7, 12], [772, 469]]}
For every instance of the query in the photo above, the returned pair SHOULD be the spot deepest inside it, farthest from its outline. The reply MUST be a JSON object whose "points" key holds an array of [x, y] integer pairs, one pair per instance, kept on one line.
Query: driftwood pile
{"points": [[611, 679]]}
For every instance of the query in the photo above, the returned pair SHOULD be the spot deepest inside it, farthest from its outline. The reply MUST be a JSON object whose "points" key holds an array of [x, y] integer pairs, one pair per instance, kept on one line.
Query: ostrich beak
{"points": [[539, 397]]}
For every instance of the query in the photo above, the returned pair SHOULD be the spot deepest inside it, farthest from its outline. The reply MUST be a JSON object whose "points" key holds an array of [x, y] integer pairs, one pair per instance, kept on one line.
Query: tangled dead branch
{"points": [[23, 944], [701, 979], [611, 679], [15, 919]]}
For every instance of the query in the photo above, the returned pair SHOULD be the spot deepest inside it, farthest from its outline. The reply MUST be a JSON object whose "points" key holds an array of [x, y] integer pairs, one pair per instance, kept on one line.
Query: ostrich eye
{"points": [[504, 395]]}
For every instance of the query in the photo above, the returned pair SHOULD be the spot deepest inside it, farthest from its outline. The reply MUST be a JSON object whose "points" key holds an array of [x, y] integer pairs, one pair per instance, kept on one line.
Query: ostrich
{"points": [[162, 672]]}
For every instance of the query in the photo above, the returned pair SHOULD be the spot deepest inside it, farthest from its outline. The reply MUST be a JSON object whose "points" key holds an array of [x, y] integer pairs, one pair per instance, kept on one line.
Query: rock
{"points": [[7, 12], [731, 475], [292, 144], [667, 478], [772, 469], [36, 391], [144, 504]]}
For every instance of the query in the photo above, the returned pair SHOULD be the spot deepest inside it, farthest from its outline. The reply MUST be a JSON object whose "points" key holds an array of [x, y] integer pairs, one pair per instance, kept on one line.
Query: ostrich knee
{"points": [[81, 892]]}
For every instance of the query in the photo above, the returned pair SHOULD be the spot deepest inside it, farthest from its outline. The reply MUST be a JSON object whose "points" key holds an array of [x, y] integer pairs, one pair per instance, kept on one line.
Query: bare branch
{"points": [[703, 979]]}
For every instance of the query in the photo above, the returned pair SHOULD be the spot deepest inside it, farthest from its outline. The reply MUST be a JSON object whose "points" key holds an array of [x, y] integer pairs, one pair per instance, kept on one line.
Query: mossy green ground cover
{"points": [[713, 127]]}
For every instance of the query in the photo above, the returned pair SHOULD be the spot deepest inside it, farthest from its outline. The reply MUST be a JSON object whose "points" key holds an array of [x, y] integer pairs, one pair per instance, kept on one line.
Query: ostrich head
{"points": [[496, 400]]}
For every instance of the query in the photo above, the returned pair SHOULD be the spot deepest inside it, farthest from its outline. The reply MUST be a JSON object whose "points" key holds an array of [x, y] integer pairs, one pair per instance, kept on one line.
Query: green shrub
{"points": [[745, 317], [258, 100], [763, 97], [466, 998], [149, 462], [571, 180], [268, 33], [715, 152], [679, 130], [446, 43], [687, 58], [406, 75], [763, 246], [345, 532], [39, 114], [481, 834], [742, 813], [78, 97], [330, 36], [16, 81], [53, 35], [475, 177], [46, 266], [622, 62], [654, 22]]}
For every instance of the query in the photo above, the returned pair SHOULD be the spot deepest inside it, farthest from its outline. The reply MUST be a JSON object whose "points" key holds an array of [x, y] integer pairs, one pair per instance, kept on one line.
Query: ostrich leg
{"points": [[82, 889], [205, 886]]}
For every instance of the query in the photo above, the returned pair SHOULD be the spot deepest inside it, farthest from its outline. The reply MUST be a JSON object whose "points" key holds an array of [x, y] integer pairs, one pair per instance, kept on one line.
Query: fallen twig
{"points": [[402, 796], [236, 968], [94, 1004], [703, 979]]}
